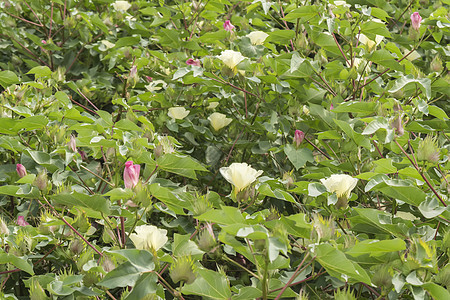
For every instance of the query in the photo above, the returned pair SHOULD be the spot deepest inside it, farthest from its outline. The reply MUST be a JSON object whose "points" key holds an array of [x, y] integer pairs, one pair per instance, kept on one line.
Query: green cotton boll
{"points": [[428, 150], [183, 270], [443, 277]]}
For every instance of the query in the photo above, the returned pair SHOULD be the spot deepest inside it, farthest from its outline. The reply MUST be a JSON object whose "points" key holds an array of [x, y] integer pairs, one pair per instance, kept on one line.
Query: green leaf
{"points": [[227, 215], [358, 138], [125, 124], [365, 108], [430, 208], [436, 291], [146, 284], [306, 12], [124, 275], [385, 58], [338, 265], [32, 123], [180, 164], [297, 225], [403, 190], [182, 245], [166, 196], [18, 262], [266, 190], [375, 28], [41, 71], [423, 83], [94, 202], [141, 259], [384, 166], [209, 284], [437, 112], [7, 78], [298, 157], [281, 36], [376, 247]]}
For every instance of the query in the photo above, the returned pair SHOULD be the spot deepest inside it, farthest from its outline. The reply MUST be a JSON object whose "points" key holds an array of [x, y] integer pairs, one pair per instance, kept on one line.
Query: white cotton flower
{"points": [[121, 5], [177, 113], [341, 3], [241, 175], [231, 58], [218, 120], [368, 42], [149, 237], [212, 105], [108, 44], [156, 85], [257, 37], [341, 184]]}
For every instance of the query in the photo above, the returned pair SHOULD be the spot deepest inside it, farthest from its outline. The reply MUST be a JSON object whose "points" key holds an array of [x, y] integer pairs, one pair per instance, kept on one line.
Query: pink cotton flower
{"points": [[298, 137], [193, 62], [21, 221], [228, 26], [21, 171], [415, 20], [131, 174], [72, 143]]}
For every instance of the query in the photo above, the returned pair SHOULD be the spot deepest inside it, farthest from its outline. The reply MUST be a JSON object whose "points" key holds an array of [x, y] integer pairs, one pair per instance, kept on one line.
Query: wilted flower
{"points": [[72, 143], [121, 5], [428, 150], [241, 175], [298, 137], [397, 124], [257, 37], [177, 113], [183, 269], [231, 58], [21, 221], [21, 171], [193, 62], [228, 26], [341, 184], [131, 174], [415, 20], [149, 237], [218, 120]]}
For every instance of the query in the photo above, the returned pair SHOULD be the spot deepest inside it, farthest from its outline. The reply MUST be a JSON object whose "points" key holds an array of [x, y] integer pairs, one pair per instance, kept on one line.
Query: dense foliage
{"points": [[224, 149]]}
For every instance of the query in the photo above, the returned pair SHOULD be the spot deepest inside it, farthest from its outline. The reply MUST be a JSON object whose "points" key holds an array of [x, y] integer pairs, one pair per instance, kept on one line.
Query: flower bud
{"points": [[206, 240], [428, 150], [76, 246], [21, 171], [72, 143], [183, 269], [133, 77], [298, 137], [289, 179], [323, 228], [21, 221], [193, 62], [107, 264], [41, 180], [415, 20], [228, 26], [436, 64], [397, 124], [3, 227], [131, 174]]}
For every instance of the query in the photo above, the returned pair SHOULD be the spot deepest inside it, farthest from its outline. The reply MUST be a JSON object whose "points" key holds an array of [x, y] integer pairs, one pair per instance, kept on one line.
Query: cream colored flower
{"points": [[413, 56], [368, 42], [108, 44], [341, 184], [241, 175], [177, 113], [231, 58], [341, 3], [257, 37], [121, 5], [149, 237], [218, 120], [212, 105]]}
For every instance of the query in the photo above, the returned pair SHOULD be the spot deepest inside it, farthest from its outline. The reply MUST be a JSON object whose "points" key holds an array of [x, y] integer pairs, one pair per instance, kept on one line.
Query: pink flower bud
{"points": [[131, 174], [415, 20], [21, 221], [21, 171], [148, 78], [298, 137], [331, 106], [72, 144], [228, 26], [193, 62], [44, 42]]}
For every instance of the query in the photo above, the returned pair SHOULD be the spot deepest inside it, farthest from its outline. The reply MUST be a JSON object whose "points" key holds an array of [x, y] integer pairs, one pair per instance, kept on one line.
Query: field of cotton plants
{"points": [[224, 149]]}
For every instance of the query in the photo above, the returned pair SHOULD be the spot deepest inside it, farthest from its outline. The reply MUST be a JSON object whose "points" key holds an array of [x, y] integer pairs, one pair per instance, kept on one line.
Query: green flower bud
{"points": [[382, 278], [183, 269], [41, 181], [436, 64], [428, 150], [3, 228], [206, 240], [76, 246]]}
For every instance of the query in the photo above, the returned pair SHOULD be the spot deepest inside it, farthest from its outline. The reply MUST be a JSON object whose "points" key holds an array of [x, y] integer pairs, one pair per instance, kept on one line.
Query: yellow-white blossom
{"points": [[121, 5], [341, 184], [212, 105], [413, 56], [149, 237], [241, 175], [177, 113], [368, 42], [231, 58], [218, 120], [108, 44], [257, 37]]}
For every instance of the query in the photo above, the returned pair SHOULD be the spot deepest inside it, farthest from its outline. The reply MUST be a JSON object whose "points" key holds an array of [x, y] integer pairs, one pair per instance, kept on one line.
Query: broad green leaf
{"points": [[209, 284], [227, 215], [18, 262], [280, 36], [436, 291], [297, 225], [384, 166], [437, 112], [430, 208], [376, 247], [41, 71], [385, 58], [375, 28], [182, 245], [146, 284], [306, 12], [372, 217], [8, 78], [298, 157], [364, 108], [358, 138], [166, 196], [141, 259], [124, 275], [125, 124], [403, 190], [338, 265], [266, 190], [180, 164], [32, 123], [423, 83], [94, 202], [24, 191]]}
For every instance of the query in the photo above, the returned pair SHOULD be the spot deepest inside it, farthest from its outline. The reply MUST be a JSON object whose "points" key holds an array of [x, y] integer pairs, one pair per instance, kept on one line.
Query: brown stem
{"points": [[317, 148], [297, 271], [87, 99]]}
